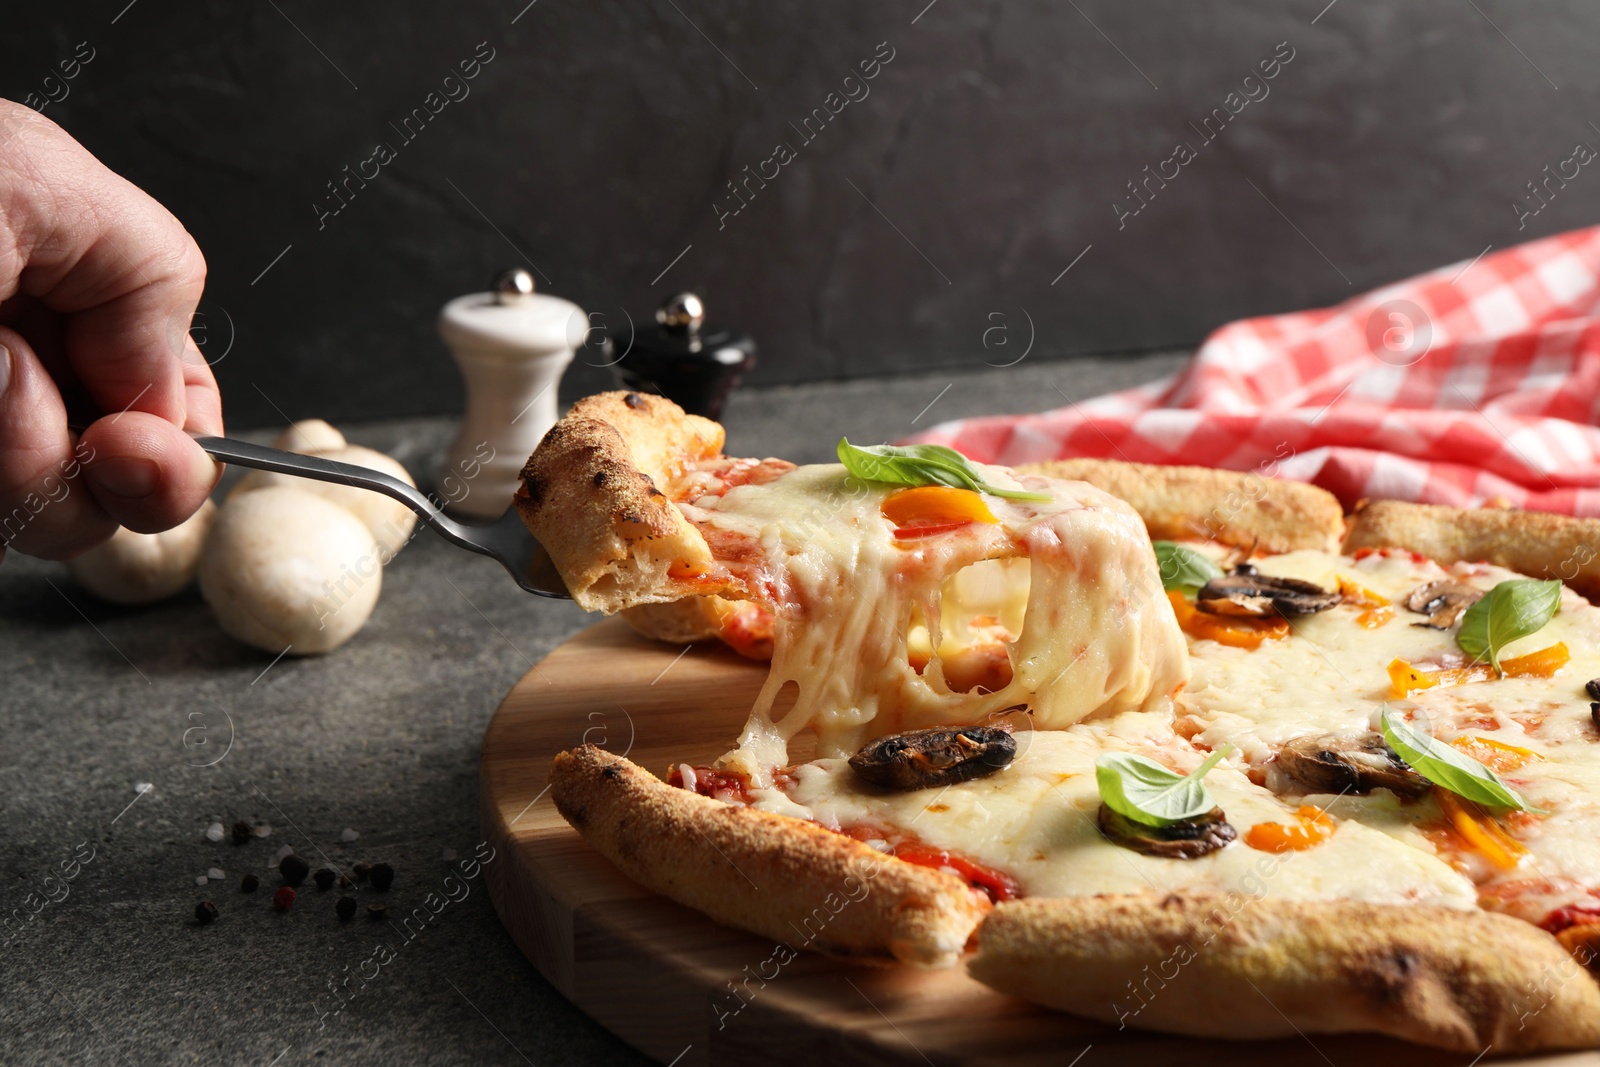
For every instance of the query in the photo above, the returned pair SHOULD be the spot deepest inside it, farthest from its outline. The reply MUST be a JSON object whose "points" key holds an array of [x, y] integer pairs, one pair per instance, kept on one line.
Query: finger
{"points": [[97, 249], [203, 401], [45, 509], [145, 472]]}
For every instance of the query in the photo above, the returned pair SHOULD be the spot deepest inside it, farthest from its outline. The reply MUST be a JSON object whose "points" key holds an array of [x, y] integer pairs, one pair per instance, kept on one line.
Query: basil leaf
{"points": [[1183, 568], [1510, 610], [921, 465], [1146, 792], [1447, 766]]}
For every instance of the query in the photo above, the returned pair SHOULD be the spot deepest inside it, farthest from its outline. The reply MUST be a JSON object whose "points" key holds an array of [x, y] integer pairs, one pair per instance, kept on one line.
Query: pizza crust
{"points": [[1242, 967], [680, 622], [593, 494], [1536, 543], [1204, 504], [783, 878]]}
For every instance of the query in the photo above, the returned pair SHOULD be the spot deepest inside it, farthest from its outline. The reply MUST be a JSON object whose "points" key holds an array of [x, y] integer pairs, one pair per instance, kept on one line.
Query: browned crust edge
{"points": [[780, 877], [593, 495], [1535, 543], [694, 618], [1246, 967], [1202, 503]]}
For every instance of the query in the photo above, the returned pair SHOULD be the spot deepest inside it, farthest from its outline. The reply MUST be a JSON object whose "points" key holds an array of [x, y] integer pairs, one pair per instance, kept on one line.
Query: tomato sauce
{"points": [[997, 885], [730, 787]]}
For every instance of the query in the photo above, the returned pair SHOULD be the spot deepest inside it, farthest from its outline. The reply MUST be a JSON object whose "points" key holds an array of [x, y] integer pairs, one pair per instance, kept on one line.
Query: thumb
{"points": [[46, 510]]}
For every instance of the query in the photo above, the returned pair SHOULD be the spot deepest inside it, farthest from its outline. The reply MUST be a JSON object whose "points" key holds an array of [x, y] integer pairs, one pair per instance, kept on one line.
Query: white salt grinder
{"points": [[512, 346]]}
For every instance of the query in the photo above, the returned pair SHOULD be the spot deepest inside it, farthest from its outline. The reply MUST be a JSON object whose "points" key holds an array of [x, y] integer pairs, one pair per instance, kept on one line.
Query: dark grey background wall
{"points": [[985, 159]]}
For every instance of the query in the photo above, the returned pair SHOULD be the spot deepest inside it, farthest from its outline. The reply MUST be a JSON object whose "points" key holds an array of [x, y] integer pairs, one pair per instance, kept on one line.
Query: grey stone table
{"points": [[380, 737]]}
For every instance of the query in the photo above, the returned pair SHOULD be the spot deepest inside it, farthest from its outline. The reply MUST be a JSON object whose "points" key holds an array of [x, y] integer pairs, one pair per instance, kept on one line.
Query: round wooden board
{"points": [[686, 990]]}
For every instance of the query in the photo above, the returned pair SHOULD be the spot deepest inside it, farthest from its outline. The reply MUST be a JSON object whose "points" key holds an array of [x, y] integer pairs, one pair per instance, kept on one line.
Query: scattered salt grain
{"points": [[214, 832], [286, 850], [143, 787], [348, 836], [201, 880], [263, 829], [215, 874]]}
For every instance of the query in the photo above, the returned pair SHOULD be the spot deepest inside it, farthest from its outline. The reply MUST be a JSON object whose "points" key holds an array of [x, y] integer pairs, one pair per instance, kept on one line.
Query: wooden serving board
{"points": [[659, 975]]}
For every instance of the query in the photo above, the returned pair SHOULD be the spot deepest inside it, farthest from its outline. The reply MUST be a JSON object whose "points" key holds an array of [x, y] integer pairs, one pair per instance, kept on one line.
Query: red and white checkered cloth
{"points": [[1476, 381]]}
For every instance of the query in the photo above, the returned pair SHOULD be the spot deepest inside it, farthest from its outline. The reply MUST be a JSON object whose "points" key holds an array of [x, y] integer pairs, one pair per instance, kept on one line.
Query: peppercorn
{"points": [[382, 876], [248, 883], [376, 912], [324, 879], [345, 908], [242, 832], [283, 899], [294, 869], [205, 911], [361, 870]]}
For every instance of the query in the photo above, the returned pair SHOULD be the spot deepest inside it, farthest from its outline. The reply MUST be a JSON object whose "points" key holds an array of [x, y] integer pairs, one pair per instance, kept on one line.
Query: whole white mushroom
{"points": [[286, 568], [390, 521], [136, 568], [309, 435]]}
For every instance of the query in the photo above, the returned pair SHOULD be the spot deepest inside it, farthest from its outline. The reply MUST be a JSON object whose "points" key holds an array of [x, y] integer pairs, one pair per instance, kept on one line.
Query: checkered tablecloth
{"points": [[1476, 382]]}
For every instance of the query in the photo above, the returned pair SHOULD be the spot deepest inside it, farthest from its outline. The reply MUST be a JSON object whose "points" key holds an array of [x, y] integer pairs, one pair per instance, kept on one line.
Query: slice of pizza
{"points": [[1183, 786], [636, 505]]}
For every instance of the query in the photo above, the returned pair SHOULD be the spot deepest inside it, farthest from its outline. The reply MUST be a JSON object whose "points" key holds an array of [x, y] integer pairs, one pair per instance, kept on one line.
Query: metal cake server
{"points": [[506, 539]]}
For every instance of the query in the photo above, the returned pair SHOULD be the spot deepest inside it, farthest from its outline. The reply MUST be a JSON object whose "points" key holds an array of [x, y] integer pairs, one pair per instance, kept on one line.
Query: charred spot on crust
{"points": [[611, 772], [599, 479], [531, 484], [1187, 839], [635, 401], [940, 756], [1393, 974]]}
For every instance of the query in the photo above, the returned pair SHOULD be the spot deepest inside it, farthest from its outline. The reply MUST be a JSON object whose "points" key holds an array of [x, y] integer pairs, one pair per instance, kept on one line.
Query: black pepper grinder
{"points": [[682, 359]]}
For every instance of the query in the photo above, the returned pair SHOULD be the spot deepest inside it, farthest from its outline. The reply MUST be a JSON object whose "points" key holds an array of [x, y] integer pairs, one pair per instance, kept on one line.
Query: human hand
{"points": [[98, 284]]}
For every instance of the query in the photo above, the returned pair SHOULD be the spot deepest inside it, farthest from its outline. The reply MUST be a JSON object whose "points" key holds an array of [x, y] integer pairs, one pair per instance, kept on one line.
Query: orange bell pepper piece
{"points": [[1378, 612], [1225, 629], [1496, 755], [1311, 828], [930, 509], [1480, 830], [1540, 664], [1404, 678]]}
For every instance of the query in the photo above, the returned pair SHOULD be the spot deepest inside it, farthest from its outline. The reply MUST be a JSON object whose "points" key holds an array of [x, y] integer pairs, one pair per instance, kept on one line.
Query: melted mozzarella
{"points": [[1330, 676], [1097, 657], [1036, 820], [1097, 634]]}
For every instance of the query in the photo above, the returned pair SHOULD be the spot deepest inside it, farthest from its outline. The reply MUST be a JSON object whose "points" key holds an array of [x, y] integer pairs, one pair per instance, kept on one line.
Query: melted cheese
{"points": [[1037, 822], [1330, 677], [1097, 634], [1071, 589]]}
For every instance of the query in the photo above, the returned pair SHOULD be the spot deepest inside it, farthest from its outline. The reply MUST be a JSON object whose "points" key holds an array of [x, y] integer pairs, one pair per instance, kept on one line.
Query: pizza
{"points": [[1170, 748]]}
